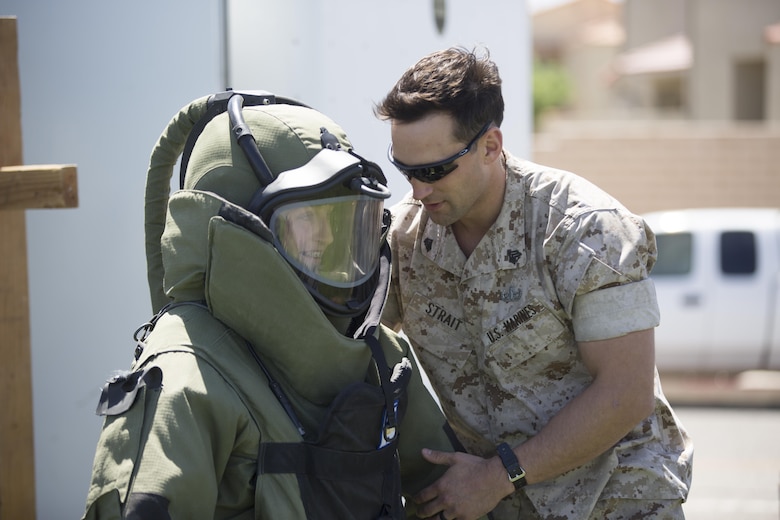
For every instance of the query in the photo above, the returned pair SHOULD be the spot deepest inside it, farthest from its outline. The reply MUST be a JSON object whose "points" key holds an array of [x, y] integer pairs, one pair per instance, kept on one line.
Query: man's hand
{"points": [[471, 487]]}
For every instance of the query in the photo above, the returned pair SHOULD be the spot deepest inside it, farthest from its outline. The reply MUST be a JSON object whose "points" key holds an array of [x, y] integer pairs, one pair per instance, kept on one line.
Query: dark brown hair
{"points": [[454, 81]]}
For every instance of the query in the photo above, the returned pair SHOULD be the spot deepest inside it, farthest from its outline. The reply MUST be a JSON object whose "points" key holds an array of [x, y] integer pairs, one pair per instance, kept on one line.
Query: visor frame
{"points": [[316, 177]]}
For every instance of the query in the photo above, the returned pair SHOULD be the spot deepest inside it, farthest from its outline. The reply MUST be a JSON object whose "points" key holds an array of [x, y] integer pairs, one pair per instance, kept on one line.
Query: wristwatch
{"points": [[514, 471]]}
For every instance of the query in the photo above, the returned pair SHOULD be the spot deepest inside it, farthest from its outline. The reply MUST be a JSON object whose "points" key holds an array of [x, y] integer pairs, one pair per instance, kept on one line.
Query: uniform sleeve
{"points": [[602, 274], [165, 455]]}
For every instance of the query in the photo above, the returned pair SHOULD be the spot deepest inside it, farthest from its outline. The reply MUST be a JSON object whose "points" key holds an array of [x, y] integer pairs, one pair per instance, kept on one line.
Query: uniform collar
{"points": [[502, 247]]}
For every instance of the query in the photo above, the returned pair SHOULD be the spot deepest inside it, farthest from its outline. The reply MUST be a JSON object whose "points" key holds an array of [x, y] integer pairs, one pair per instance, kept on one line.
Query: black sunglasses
{"points": [[434, 171]]}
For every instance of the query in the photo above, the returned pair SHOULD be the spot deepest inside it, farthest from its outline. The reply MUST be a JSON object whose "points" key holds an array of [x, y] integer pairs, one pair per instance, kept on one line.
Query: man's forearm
{"points": [[620, 396]]}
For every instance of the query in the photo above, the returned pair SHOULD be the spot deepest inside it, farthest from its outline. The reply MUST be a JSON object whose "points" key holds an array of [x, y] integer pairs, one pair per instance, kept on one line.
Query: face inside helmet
{"points": [[333, 243]]}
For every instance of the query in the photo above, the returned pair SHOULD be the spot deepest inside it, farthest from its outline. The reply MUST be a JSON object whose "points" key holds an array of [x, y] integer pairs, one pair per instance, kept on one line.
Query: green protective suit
{"points": [[189, 428]]}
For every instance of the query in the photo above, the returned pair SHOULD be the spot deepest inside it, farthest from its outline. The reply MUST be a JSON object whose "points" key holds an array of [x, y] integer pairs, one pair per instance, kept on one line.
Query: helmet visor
{"points": [[334, 241]]}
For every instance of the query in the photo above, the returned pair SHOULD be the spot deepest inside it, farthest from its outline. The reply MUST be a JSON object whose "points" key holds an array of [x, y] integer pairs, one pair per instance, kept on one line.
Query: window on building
{"points": [[749, 95], [669, 93], [674, 254], [738, 252]]}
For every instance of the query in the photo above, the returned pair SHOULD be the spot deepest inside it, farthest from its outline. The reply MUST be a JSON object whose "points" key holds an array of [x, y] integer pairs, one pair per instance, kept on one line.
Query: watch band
{"points": [[515, 472]]}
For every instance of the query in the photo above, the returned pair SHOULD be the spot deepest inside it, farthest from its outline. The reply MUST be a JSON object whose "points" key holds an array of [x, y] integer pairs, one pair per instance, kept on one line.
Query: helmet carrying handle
{"points": [[370, 187], [246, 141], [372, 183]]}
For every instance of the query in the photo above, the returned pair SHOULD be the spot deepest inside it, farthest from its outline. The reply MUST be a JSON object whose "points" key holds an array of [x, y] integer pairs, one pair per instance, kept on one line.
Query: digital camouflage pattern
{"points": [[497, 332]]}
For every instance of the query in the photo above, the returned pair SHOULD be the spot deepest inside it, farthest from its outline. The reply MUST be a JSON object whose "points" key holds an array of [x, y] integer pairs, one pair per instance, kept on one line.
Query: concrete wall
{"points": [[660, 166], [647, 21], [588, 65], [773, 74], [723, 33]]}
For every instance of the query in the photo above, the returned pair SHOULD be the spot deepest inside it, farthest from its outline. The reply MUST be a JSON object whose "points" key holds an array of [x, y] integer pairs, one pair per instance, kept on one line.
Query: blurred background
{"points": [[666, 104]]}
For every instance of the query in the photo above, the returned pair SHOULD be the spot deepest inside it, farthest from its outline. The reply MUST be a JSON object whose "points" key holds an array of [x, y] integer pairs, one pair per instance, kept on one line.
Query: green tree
{"points": [[551, 88]]}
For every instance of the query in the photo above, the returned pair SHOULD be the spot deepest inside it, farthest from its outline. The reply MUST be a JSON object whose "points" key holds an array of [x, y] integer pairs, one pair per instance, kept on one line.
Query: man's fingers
{"points": [[438, 457]]}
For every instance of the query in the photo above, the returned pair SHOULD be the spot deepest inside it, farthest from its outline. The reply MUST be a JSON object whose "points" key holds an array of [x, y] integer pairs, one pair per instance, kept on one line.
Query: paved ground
{"points": [[736, 462], [734, 421]]}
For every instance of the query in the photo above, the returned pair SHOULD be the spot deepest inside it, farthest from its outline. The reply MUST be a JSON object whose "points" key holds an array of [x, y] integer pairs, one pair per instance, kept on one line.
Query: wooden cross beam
{"points": [[21, 187]]}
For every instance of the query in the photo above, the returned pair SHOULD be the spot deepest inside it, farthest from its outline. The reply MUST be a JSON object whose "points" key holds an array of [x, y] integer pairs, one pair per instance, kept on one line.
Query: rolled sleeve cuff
{"points": [[615, 311]]}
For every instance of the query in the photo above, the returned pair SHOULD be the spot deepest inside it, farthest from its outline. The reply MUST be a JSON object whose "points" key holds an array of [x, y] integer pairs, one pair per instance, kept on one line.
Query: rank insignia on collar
{"points": [[513, 255]]}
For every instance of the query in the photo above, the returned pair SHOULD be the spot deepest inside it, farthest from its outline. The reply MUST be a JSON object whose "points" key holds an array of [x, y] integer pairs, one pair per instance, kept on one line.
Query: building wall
{"points": [[660, 166], [588, 66], [773, 74], [557, 28], [724, 33], [649, 20], [728, 42]]}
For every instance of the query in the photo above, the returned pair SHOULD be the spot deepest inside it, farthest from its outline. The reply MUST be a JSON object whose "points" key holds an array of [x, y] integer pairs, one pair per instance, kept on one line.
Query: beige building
{"points": [[676, 102]]}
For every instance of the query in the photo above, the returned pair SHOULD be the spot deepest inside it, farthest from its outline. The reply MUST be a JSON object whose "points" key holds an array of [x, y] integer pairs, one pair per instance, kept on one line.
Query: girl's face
{"points": [[309, 233]]}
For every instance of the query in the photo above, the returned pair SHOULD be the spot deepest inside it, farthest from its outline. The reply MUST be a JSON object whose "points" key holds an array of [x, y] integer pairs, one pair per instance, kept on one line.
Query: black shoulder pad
{"points": [[119, 392]]}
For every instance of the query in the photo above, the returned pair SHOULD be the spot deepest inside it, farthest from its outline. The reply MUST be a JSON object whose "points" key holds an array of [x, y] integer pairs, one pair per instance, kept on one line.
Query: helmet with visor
{"points": [[326, 218]]}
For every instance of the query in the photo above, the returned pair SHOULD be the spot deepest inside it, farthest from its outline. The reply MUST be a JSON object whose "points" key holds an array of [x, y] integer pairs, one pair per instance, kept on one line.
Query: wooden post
{"points": [[20, 188]]}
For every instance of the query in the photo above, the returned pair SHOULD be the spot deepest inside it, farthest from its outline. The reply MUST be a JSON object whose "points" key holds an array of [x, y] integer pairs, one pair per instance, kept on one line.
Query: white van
{"points": [[718, 284]]}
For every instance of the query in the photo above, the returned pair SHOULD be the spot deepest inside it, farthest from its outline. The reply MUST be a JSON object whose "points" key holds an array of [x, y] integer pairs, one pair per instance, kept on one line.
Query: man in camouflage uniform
{"points": [[525, 292]]}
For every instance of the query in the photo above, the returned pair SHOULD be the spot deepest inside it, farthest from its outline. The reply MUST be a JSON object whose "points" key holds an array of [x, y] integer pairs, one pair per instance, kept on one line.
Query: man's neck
{"points": [[470, 230]]}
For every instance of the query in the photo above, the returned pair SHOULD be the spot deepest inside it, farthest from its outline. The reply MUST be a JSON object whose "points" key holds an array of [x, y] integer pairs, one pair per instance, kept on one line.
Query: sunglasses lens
{"points": [[430, 173]]}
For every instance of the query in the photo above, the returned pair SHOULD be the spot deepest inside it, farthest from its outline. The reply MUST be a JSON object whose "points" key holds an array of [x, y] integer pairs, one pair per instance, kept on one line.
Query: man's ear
{"points": [[494, 144]]}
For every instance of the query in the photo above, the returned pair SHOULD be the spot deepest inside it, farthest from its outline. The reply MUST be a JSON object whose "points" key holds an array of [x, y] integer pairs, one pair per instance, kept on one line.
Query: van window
{"points": [[674, 254], [738, 252]]}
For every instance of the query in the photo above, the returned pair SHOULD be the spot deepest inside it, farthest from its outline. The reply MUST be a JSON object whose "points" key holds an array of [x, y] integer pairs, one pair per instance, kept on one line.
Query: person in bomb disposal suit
{"points": [[524, 291], [264, 386]]}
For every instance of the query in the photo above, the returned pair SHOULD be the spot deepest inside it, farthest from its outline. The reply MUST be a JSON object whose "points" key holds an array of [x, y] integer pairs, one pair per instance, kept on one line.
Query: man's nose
{"points": [[420, 189]]}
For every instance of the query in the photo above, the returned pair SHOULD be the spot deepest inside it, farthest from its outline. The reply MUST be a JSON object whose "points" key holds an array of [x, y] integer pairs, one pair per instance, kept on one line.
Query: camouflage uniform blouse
{"points": [[497, 332]]}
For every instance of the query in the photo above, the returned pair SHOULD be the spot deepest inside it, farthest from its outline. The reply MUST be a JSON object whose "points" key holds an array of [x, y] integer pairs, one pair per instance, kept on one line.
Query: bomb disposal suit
{"points": [[264, 386]]}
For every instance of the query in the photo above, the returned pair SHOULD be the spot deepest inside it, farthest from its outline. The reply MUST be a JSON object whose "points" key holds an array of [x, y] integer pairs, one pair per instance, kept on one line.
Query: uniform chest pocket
{"points": [[530, 341], [441, 336]]}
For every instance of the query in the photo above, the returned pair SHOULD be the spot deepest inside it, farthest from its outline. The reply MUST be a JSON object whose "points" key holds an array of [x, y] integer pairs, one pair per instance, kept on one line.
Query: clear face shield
{"points": [[333, 242], [326, 218]]}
